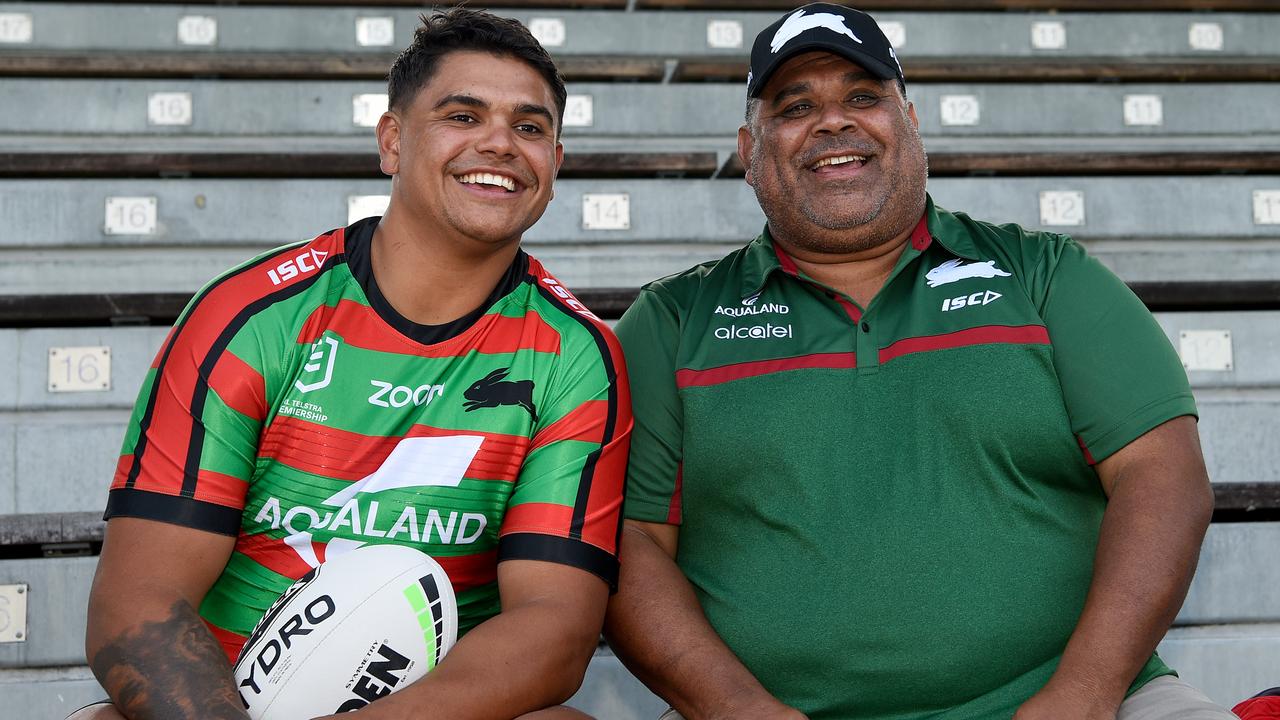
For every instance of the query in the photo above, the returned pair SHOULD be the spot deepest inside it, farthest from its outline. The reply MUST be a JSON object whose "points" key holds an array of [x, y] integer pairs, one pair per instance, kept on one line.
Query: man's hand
{"points": [[685, 662], [146, 643]]}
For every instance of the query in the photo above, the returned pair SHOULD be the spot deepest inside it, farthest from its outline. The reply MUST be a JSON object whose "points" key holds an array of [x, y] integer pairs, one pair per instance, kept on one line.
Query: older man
{"points": [[890, 461]]}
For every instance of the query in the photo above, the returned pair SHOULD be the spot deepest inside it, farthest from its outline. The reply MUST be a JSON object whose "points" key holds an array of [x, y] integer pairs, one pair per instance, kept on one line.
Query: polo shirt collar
{"points": [[762, 257]]}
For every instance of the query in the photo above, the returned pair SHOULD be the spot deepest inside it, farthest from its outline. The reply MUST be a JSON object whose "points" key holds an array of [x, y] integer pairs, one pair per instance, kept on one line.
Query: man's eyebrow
{"points": [[800, 88], [535, 109], [459, 99]]}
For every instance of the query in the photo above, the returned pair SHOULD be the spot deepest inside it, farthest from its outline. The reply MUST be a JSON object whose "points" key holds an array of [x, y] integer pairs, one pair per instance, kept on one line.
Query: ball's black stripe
{"points": [[144, 423], [198, 396], [611, 373]]}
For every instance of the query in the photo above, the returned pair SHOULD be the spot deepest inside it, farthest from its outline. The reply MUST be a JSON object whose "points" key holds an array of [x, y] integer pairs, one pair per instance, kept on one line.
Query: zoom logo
{"points": [[389, 395]]}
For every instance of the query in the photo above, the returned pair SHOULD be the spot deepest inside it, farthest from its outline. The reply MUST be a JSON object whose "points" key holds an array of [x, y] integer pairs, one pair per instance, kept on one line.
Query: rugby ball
{"points": [[361, 626]]}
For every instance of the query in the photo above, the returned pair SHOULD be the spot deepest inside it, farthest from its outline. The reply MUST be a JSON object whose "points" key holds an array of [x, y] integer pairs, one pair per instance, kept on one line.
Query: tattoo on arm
{"points": [[170, 669]]}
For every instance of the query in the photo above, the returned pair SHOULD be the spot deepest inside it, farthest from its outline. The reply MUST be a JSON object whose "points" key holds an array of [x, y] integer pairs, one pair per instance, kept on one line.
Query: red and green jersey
{"points": [[885, 511], [292, 407]]}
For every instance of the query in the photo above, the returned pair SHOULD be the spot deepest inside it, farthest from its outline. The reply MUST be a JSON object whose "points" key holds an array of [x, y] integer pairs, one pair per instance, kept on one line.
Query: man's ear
{"points": [[388, 132], [745, 143], [911, 113], [556, 173]]}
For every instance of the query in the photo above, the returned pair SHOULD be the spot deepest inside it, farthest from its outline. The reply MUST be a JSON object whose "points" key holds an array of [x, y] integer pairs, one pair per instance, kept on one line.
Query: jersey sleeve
{"points": [[1120, 375], [567, 501], [650, 332], [190, 447]]}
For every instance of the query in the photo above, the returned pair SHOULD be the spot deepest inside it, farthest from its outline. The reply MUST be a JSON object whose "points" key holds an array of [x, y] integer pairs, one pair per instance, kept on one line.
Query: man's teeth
{"points": [[839, 160], [489, 179]]}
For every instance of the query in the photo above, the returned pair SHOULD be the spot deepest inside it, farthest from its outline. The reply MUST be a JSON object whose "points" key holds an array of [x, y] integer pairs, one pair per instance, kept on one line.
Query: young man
{"points": [[422, 356], [887, 463]]}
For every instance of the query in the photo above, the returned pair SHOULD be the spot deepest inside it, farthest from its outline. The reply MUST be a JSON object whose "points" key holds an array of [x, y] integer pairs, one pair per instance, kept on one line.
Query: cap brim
{"points": [[866, 60]]}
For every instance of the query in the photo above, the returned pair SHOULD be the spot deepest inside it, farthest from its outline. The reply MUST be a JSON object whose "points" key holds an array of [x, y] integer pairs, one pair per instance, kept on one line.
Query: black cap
{"points": [[844, 31]]}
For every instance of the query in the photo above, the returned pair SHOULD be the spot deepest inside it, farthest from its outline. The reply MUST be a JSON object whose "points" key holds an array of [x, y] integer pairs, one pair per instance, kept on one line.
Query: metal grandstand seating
{"points": [[1180, 194]]}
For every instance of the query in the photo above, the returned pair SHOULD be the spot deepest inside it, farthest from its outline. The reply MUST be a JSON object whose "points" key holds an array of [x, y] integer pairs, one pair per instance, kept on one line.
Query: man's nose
{"points": [[498, 139], [834, 118]]}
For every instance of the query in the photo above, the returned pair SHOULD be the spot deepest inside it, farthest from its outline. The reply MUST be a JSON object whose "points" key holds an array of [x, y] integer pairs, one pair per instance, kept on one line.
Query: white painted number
{"points": [[960, 110], [375, 31], [1206, 36], [548, 31], [198, 30], [13, 613], [1143, 110], [16, 28], [895, 32], [360, 207], [366, 109], [131, 216], [724, 34], [1266, 207], [79, 369], [606, 211], [1205, 350], [579, 111], [169, 108], [1050, 35], [1061, 207]]}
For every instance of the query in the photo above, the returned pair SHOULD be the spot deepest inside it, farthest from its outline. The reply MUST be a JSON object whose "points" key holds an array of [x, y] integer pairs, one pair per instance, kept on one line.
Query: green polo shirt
{"points": [[889, 511]]}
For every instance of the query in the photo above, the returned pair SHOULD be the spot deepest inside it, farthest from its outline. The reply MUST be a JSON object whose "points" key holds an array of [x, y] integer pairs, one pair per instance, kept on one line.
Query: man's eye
{"points": [[462, 117], [796, 108], [529, 129], [864, 99]]}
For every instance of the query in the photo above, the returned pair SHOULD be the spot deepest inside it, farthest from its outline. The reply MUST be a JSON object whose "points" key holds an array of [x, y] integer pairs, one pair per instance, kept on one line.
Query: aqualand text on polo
{"points": [[889, 512]]}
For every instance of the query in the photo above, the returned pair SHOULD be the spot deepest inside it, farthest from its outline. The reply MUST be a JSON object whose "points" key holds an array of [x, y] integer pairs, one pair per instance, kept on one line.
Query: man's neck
{"points": [[859, 275], [430, 279]]}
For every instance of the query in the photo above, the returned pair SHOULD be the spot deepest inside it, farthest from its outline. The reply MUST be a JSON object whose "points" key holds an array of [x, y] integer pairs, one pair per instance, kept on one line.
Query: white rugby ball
{"points": [[360, 626]]}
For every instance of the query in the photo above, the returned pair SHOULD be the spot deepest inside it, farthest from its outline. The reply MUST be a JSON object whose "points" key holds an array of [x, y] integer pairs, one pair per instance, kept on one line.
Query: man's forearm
{"points": [[523, 659], [168, 668], [657, 628], [1147, 552]]}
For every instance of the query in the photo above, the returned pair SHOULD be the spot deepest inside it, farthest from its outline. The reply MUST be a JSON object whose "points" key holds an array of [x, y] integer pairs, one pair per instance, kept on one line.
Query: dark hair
{"points": [[463, 29]]}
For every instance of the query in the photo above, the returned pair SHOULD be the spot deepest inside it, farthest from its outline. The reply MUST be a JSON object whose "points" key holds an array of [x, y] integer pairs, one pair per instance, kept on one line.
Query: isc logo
{"points": [[978, 298], [305, 262], [379, 671], [563, 293]]}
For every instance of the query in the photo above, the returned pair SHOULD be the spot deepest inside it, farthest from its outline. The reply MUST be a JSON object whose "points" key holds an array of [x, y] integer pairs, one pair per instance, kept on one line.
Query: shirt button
{"points": [[866, 326]]}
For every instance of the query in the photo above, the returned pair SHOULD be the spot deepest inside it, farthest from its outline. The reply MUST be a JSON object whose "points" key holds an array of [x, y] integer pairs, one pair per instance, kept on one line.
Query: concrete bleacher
{"points": [[1039, 112]]}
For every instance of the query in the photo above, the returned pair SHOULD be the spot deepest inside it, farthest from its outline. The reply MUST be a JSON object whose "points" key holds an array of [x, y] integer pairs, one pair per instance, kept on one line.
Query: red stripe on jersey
{"points": [[215, 487], [359, 325], [231, 642], [853, 311], [603, 516], [534, 517], [169, 424], [736, 371], [1088, 456], [240, 386], [586, 423], [920, 237], [349, 456], [675, 513], [273, 554], [984, 335], [122, 471]]}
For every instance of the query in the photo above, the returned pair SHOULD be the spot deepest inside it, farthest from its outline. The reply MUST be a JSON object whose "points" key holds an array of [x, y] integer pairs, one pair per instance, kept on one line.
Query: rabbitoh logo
{"points": [[800, 22], [952, 270]]}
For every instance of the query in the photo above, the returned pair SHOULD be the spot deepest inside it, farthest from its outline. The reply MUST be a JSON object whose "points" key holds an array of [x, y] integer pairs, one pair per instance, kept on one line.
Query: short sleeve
{"points": [[1119, 373], [650, 332], [189, 450], [566, 506]]}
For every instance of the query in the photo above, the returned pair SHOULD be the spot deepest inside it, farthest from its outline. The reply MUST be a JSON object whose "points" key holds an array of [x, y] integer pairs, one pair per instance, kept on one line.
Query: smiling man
{"points": [[887, 463], [423, 347]]}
